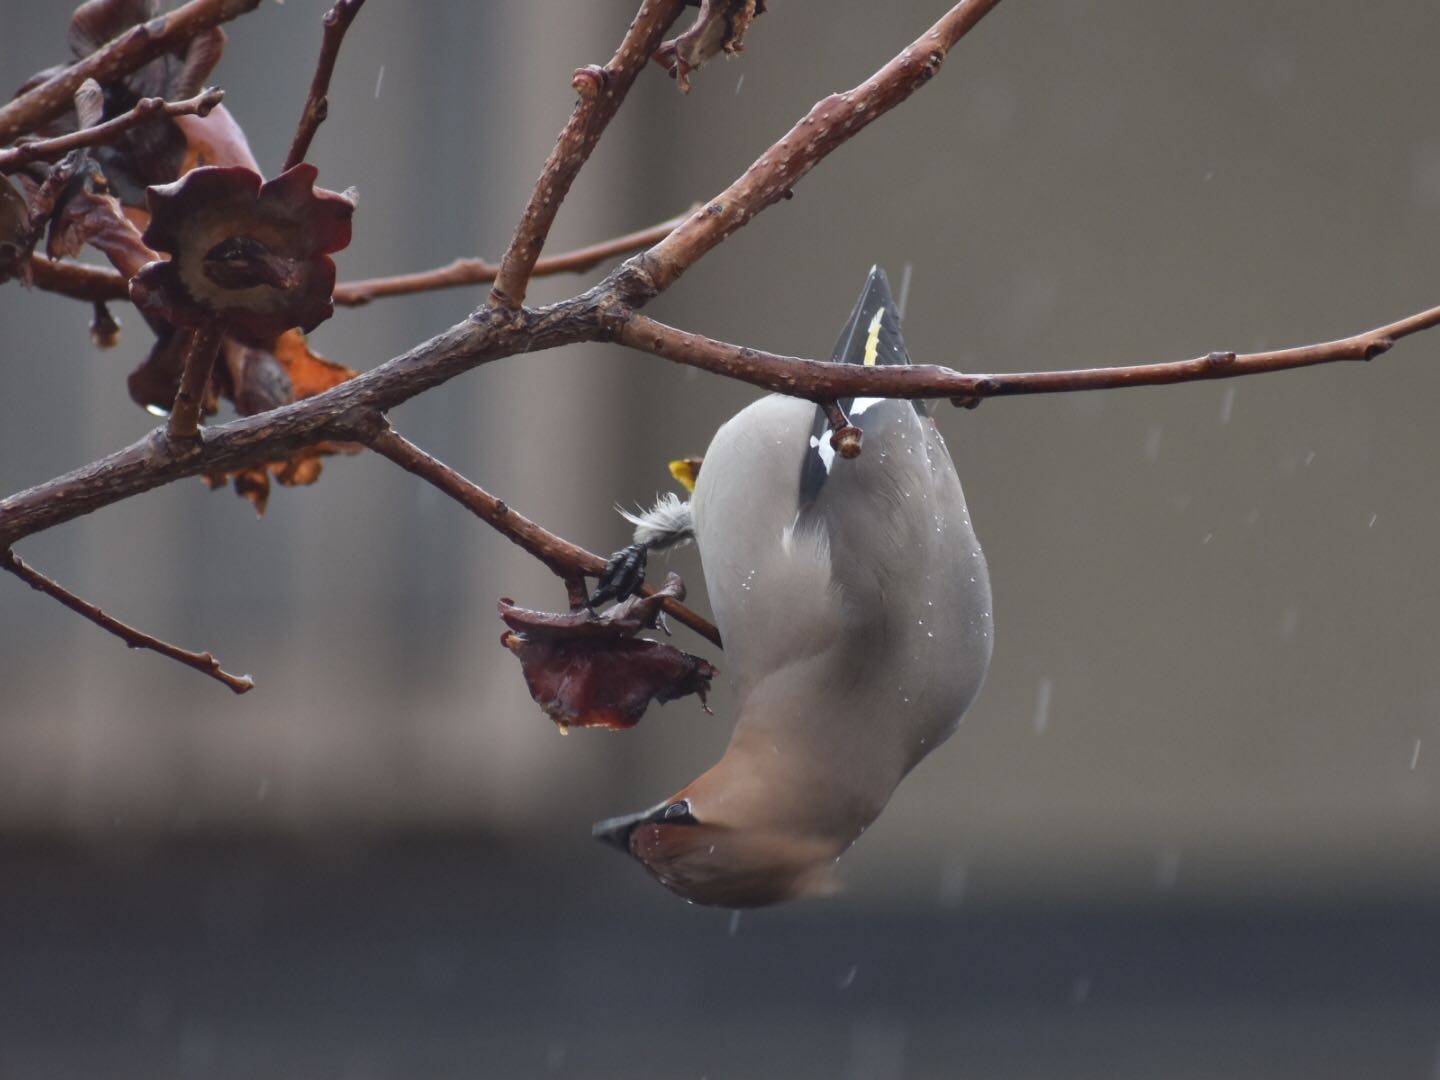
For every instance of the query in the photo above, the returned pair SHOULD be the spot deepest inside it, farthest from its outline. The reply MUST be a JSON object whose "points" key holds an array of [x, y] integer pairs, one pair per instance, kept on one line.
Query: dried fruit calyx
{"points": [[253, 254]]}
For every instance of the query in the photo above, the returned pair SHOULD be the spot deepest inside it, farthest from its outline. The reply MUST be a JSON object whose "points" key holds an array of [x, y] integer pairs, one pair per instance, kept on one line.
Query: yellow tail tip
{"points": [[685, 471]]}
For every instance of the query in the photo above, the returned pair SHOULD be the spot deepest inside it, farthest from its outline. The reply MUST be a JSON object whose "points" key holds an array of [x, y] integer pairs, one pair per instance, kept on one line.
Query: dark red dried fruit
{"points": [[605, 683], [589, 670]]}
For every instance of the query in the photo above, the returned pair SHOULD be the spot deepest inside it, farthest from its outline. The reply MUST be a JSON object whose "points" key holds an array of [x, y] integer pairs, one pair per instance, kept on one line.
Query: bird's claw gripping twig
{"points": [[623, 575]]}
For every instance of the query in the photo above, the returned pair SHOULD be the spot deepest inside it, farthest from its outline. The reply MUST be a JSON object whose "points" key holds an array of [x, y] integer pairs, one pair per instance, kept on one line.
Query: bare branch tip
{"points": [[846, 441], [205, 662], [335, 22], [240, 684]]}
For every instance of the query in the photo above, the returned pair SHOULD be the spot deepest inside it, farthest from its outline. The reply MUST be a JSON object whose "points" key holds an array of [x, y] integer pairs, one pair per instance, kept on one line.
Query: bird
{"points": [[854, 604]]}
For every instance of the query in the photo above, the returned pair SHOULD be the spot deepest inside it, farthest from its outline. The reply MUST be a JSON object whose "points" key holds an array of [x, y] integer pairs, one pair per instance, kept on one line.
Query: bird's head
{"points": [[735, 865]]}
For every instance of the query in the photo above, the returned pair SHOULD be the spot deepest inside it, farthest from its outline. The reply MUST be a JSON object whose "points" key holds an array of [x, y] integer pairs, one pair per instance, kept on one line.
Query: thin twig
{"points": [[821, 381], [317, 103], [479, 272], [132, 49], [832, 121], [77, 280], [200, 351], [566, 560], [50, 149], [133, 638], [602, 91], [92, 283]]}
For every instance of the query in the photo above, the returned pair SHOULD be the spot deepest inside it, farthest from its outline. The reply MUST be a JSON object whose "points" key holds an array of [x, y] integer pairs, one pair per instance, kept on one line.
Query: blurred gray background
{"points": [[1201, 781]]}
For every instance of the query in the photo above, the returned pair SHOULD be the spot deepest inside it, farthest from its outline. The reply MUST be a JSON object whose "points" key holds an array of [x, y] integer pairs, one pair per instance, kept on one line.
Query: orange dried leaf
{"points": [[300, 469], [310, 372], [259, 379], [299, 472], [254, 484]]}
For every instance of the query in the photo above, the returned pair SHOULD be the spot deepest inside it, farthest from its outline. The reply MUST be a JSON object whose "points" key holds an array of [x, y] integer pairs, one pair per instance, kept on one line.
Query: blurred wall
{"points": [[1215, 604]]}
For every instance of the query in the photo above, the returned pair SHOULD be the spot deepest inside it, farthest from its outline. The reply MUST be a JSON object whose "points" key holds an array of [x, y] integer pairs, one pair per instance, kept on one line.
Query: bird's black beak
{"points": [[616, 831]]}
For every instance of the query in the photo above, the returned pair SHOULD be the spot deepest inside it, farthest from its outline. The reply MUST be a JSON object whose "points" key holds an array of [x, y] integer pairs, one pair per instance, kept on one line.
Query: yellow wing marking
{"points": [[872, 339]]}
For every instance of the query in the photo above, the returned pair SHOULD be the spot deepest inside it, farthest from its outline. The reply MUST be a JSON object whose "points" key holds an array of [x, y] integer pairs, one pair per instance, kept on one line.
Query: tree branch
{"points": [[91, 283], [479, 272], [132, 49], [317, 103], [821, 382], [341, 413], [133, 638], [567, 561], [830, 123], [50, 149], [183, 425], [489, 334], [77, 280], [602, 91]]}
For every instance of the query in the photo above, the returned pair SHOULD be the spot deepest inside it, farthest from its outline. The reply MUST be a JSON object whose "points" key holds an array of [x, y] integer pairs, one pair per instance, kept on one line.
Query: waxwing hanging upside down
{"points": [[854, 603]]}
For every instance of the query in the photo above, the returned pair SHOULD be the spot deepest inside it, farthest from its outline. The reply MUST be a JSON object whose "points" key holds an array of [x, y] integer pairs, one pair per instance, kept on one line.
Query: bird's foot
{"points": [[622, 577]]}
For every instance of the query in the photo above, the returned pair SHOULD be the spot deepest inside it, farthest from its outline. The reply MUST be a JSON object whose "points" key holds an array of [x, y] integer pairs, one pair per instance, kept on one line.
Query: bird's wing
{"points": [[874, 511]]}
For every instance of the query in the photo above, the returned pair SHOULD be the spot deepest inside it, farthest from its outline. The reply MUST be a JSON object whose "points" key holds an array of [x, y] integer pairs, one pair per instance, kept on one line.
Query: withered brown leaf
{"points": [[87, 214], [298, 470], [719, 27], [160, 148], [16, 236]]}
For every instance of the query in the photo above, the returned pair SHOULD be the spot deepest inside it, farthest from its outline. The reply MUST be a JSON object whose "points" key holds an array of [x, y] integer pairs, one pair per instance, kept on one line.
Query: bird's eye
{"points": [[679, 814]]}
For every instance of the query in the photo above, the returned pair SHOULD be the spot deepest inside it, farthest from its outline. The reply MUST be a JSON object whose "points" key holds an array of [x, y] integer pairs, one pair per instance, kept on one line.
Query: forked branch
{"points": [[567, 561], [832, 122], [131, 50], [81, 282], [602, 91], [58, 147], [479, 272]]}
